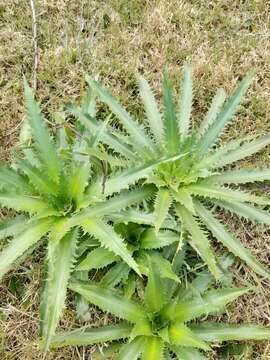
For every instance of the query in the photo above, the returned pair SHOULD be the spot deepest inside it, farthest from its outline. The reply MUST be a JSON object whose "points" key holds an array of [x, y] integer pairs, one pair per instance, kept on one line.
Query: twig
{"points": [[34, 29]]}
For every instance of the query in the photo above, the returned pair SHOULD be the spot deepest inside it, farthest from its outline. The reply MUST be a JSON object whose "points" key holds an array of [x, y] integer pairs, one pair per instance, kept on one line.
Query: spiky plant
{"points": [[191, 184], [161, 323], [142, 242], [49, 184]]}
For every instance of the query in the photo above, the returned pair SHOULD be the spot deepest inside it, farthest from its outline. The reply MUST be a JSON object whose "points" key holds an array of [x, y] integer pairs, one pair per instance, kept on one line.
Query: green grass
{"points": [[117, 39]]}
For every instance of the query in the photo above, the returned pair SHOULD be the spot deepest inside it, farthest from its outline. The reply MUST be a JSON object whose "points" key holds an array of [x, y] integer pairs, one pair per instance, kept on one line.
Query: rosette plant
{"points": [[160, 323], [48, 185], [142, 242], [195, 182]]}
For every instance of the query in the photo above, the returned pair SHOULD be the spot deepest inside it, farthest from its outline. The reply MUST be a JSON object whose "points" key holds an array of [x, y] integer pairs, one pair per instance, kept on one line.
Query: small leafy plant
{"points": [[162, 322], [49, 184], [195, 180]]}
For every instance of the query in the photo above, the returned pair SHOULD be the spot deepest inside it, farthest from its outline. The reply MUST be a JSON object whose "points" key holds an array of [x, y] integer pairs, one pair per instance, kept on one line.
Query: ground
{"points": [[117, 39]]}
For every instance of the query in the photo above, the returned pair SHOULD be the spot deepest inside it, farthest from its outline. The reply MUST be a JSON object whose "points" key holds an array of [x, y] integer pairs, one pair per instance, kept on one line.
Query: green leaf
{"points": [[187, 353], [185, 103], [89, 336], [143, 143], [109, 139], [234, 245], [60, 263], [180, 334], [119, 272], [244, 150], [132, 350], [12, 227], [114, 204], [155, 296], [226, 114], [153, 348], [77, 181], [161, 207], [110, 300], [22, 242], [82, 306], [37, 178], [141, 217], [10, 178], [124, 179], [153, 114], [199, 240], [110, 240], [164, 266], [150, 240], [29, 204], [227, 194], [212, 302], [89, 102], [97, 259], [241, 176], [213, 111], [214, 332], [184, 197], [247, 211], [43, 143], [171, 126]]}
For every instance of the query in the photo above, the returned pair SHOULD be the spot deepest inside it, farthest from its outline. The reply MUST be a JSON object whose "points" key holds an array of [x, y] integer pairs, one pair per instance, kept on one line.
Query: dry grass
{"points": [[116, 39]]}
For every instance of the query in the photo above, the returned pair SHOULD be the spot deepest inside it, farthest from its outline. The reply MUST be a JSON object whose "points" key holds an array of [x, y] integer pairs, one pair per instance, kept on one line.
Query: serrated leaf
{"points": [[111, 140], [171, 127], [110, 240], [227, 194], [132, 350], [89, 336], [77, 181], [141, 217], [97, 259], [242, 176], [110, 300], [60, 263], [164, 266], [43, 143], [213, 111], [180, 334], [247, 211], [26, 203], [155, 296], [114, 204], [212, 302], [37, 178], [10, 178], [143, 143], [13, 227], [161, 207], [22, 242], [153, 114], [244, 150], [150, 240], [225, 115], [214, 332], [198, 239], [184, 197], [185, 103], [119, 272], [153, 348], [234, 245], [124, 179], [184, 353]]}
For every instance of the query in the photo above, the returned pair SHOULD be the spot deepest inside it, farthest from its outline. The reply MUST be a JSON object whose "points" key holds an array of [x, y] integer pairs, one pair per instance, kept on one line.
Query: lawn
{"points": [[117, 39]]}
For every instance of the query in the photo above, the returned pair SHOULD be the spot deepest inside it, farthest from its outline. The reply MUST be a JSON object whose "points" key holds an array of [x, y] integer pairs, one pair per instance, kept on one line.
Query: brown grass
{"points": [[116, 39]]}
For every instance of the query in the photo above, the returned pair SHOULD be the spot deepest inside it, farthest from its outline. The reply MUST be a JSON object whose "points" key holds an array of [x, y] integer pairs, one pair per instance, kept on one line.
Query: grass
{"points": [[117, 39]]}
